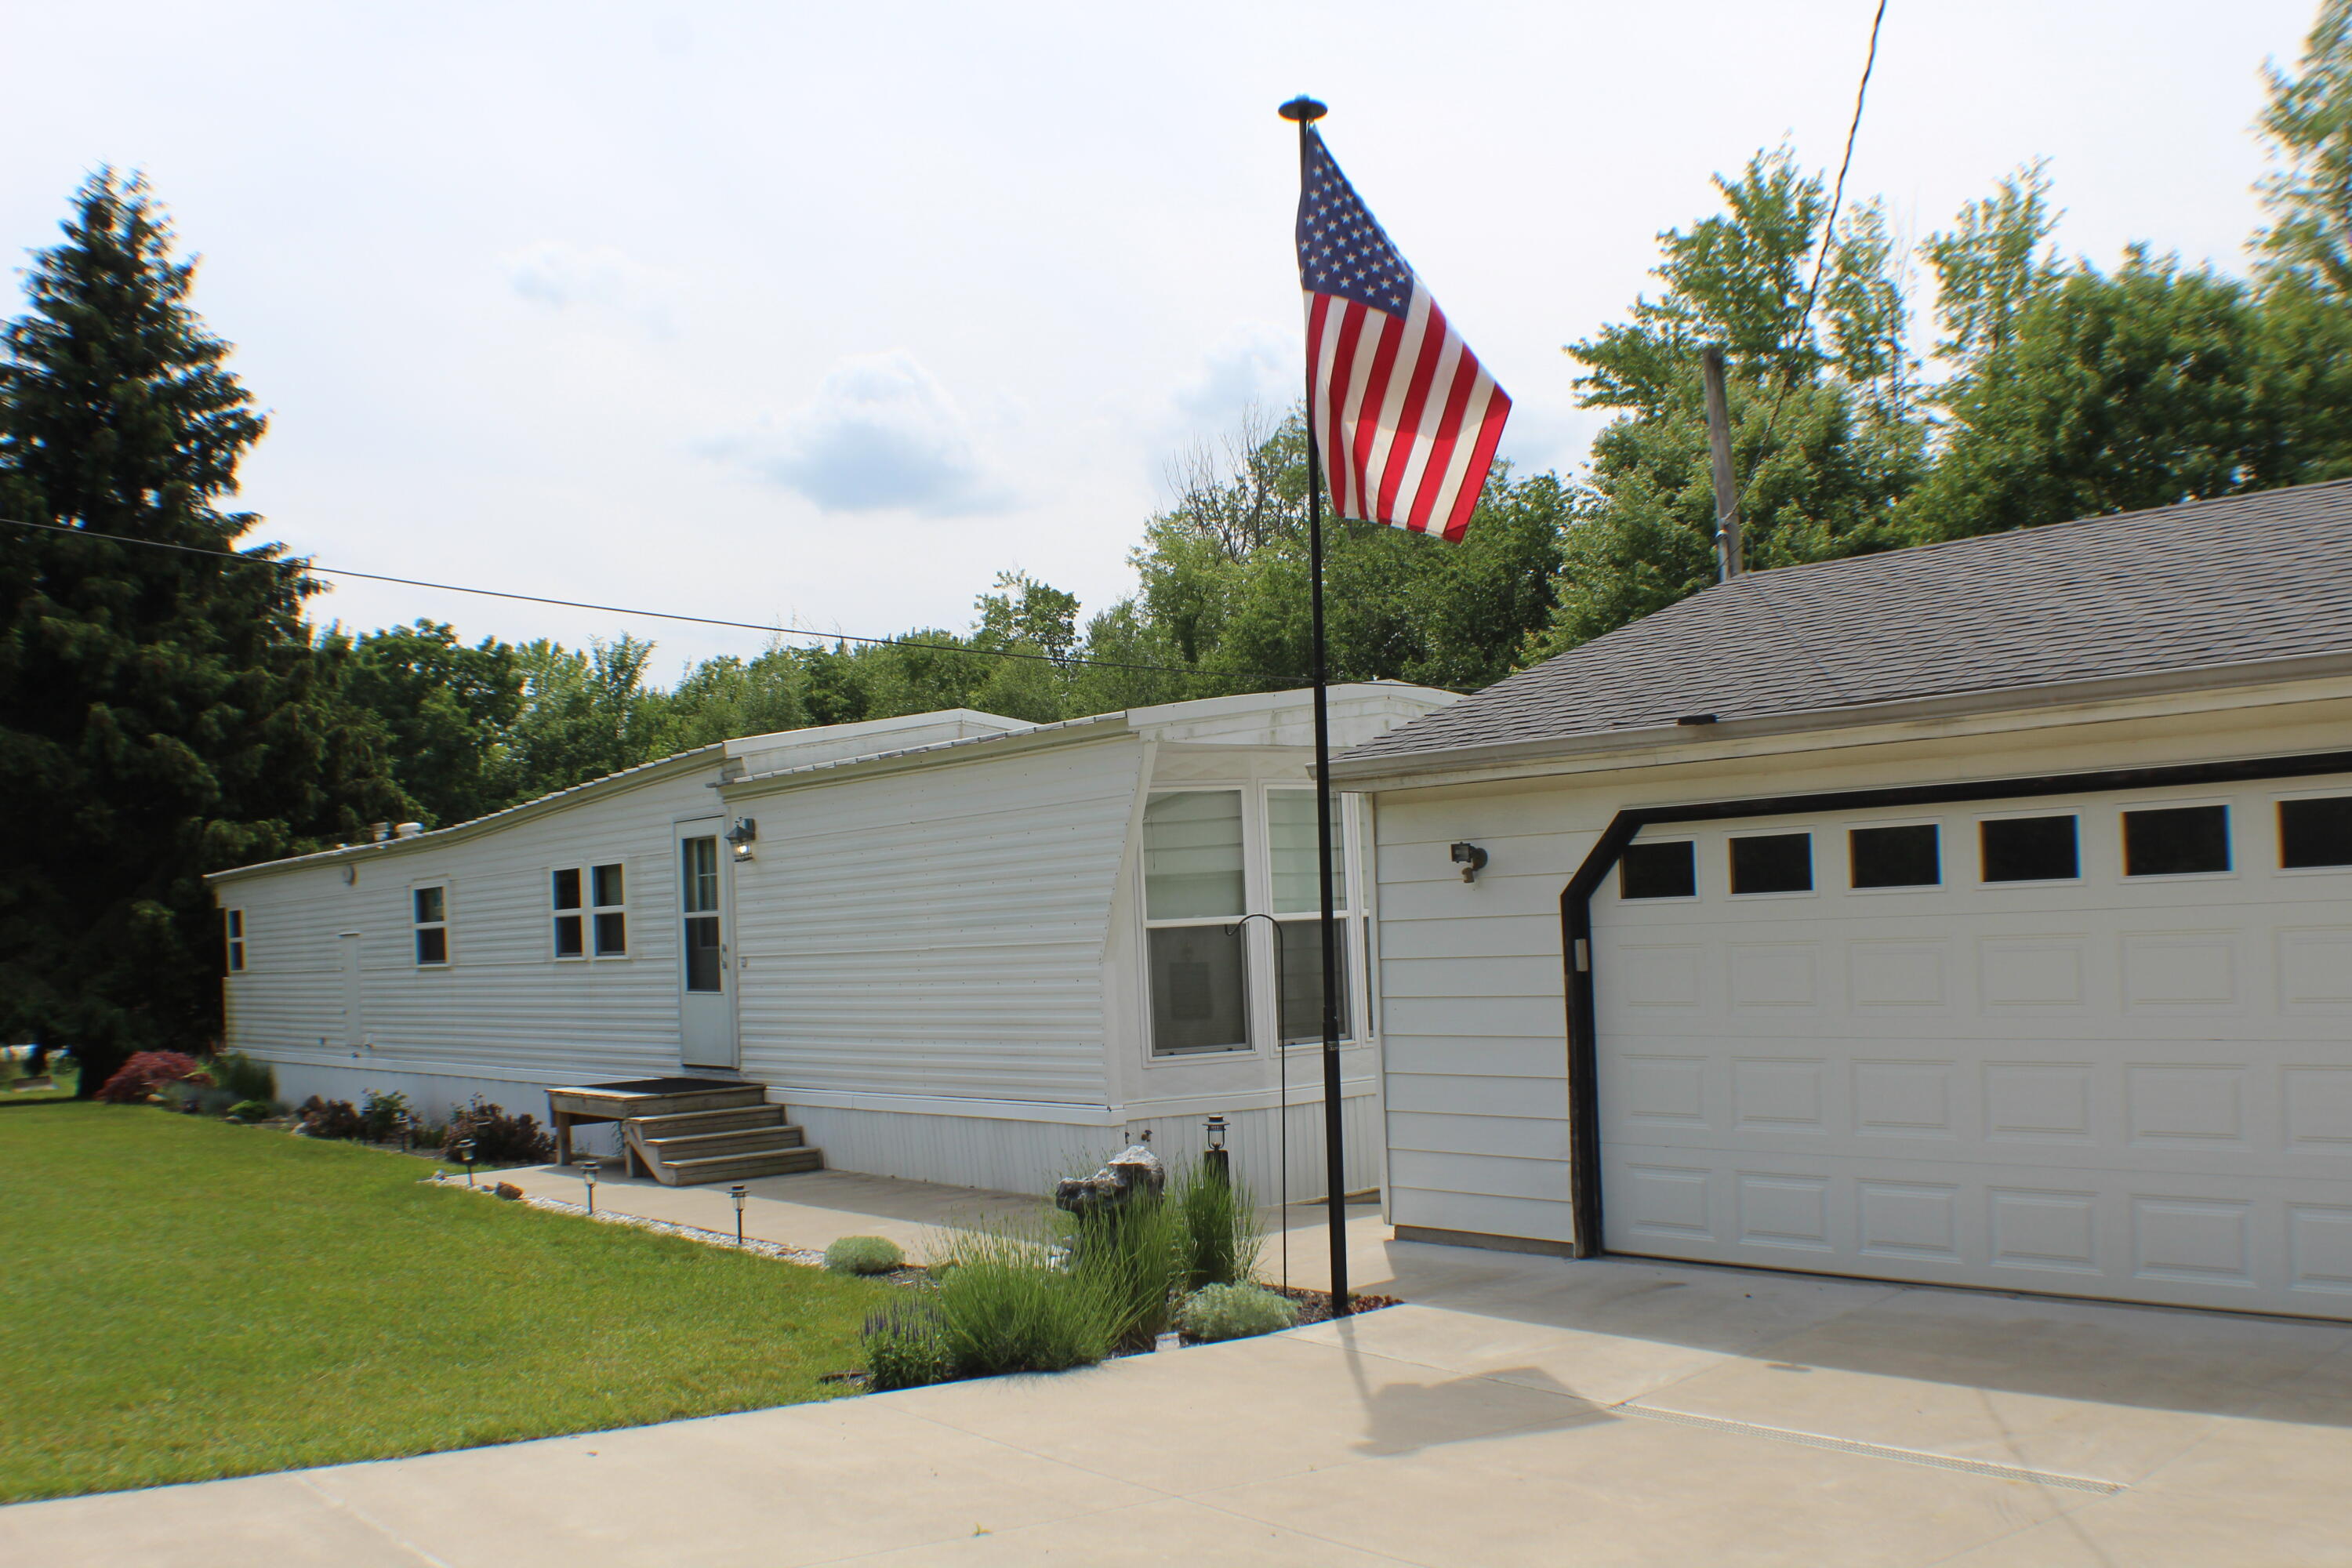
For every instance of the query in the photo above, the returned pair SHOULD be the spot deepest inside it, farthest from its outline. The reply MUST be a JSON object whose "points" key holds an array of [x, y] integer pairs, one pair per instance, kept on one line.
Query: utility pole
{"points": [[1727, 560]]}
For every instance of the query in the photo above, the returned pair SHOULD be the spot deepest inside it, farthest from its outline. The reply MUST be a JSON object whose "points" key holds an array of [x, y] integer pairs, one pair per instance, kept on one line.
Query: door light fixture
{"points": [[1471, 858]]}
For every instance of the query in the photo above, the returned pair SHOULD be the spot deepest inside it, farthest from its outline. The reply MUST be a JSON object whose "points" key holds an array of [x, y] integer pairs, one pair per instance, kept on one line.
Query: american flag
{"points": [[1406, 416]]}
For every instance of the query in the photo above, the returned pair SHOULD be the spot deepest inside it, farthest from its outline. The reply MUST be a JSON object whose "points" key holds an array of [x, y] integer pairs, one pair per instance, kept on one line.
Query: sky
{"points": [[825, 315]]}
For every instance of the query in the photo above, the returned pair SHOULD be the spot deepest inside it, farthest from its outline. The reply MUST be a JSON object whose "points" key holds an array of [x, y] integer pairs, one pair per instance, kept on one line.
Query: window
{"points": [[611, 922], [589, 904], [1773, 863], [2029, 849], [1291, 834], [571, 925], [1658, 871], [431, 907], [2315, 832], [234, 919], [2176, 841], [699, 899], [1194, 895], [1906, 856]]}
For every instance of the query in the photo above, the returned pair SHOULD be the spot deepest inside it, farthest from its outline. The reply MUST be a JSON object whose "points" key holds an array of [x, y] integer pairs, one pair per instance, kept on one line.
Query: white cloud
{"points": [[881, 433], [1253, 366], [562, 276]]}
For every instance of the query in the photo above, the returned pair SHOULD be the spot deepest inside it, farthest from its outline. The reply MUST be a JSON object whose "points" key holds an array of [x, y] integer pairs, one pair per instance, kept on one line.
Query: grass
{"points": [[11, 1071], [182, 1300]]}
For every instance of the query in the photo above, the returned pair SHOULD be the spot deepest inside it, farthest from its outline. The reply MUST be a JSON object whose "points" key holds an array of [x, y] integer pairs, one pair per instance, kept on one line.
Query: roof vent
{"points": [[379, 831], [1695, 719], [408, 829]]}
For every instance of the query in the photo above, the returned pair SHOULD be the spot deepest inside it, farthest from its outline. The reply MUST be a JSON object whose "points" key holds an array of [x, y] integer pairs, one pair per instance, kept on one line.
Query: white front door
{"points": [[706, 1006], [1979, 1045]]}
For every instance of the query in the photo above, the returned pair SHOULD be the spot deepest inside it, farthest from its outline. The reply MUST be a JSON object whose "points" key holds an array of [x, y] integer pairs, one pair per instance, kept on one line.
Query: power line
{"points": [[306, 565], [1837, 200]]}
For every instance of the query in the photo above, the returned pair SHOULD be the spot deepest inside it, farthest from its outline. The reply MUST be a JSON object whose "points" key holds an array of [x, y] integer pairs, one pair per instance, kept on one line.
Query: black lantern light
{"points": [[737, 1193], [465, 1153], [1215, 1157]]}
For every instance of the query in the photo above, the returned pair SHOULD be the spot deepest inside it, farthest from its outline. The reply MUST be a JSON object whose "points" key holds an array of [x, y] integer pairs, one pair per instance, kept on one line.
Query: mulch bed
{"points": [[1314, 1306]]}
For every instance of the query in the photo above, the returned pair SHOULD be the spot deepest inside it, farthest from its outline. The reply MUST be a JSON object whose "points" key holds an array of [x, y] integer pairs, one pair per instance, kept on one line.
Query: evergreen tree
{"points": [[161, 714]]}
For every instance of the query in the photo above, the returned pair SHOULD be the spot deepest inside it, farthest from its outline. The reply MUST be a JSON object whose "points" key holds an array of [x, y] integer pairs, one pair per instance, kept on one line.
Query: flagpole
{"points": [[1305, 111]]}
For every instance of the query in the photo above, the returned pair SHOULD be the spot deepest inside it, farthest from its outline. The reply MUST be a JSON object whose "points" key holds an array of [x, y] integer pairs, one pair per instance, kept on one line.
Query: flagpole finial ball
{"points": [[1304, 109]]}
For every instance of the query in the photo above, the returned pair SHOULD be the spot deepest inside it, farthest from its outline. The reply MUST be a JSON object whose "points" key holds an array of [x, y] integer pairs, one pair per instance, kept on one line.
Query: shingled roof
{"points": [[2199, 586]]}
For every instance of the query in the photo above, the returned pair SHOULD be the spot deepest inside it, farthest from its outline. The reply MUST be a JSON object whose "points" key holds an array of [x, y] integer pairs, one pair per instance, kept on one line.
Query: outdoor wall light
{"points": [[1471, 858], [741, 836], [465, 1153], [736, 1192], [588, 1174]]}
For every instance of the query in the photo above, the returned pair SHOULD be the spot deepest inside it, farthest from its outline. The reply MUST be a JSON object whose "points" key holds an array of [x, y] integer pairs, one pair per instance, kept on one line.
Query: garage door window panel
{"points": [[1908, 855], [1773, 863], [2031, 849], [1667, 871], [2176, 841], [2315, 834]]}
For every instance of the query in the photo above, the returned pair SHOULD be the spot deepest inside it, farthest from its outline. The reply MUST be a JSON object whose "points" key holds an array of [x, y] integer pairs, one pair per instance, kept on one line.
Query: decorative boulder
{"points": [[1134, 1170]]}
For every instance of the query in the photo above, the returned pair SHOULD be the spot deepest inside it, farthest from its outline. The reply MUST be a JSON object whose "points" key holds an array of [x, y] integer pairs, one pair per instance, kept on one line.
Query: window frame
{"points": [[576, 912], [597, 912], [1943, 857], [2278, 866], [2126, 810], [1687, 840], [586, 911], [418, 926], [2082, 848], [233, 935], [1810, 833], [1260, 968]]}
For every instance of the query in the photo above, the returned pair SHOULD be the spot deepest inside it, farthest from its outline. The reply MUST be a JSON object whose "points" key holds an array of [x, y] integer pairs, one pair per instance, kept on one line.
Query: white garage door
{"points": [[2098, 1046]]}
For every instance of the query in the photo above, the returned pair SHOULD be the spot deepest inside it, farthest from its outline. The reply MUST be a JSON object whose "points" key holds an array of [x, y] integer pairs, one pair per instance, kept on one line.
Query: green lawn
{"points": [[182, 1300]]}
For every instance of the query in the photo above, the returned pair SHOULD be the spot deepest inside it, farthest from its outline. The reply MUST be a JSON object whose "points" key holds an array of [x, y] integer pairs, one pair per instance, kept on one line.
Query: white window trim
{"points": [[234, 920], [588, 891], [1943, 857], [579, 913], [443, 925], [2276, 865], [1264, 1012], [2082, 849]]}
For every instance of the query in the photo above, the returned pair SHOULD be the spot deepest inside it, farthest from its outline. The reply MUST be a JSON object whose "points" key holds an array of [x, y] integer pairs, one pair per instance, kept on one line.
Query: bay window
{"points": [[1210, 863]]}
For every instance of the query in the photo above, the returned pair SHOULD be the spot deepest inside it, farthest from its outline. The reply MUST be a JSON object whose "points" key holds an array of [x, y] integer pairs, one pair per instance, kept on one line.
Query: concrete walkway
{"points": [[1519, 1410]]}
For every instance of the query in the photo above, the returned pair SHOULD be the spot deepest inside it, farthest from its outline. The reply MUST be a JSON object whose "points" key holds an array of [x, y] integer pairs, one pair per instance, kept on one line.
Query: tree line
{"points": [[167, 713]]}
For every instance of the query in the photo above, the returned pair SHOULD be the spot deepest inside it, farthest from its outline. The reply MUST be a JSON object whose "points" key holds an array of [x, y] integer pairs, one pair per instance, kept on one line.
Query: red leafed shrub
{"points": [[136, 1080]]}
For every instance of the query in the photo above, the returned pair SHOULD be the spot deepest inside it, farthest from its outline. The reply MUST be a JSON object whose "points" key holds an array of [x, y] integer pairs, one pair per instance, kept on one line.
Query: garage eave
{"points": [[1699, 741]]}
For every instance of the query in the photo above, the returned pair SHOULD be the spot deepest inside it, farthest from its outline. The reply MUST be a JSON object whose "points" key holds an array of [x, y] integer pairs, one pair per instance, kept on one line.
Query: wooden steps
{"points": [[728, 1143]]}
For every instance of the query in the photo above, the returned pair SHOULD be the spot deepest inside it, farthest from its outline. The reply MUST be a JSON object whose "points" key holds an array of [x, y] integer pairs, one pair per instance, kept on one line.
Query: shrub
{"points": [[1221, 1235], [242, 1076], [864, 1255], [136, 1080], [249, 1110], [500, 1139], [380, 1114], [1134, 1257], [1005, 1308], [906, 1346], [328, 1117], [1234, 1313], [431, 1134]]}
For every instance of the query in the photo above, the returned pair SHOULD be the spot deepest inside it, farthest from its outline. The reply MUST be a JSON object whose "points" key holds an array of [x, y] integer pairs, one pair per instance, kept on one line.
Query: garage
{"points": [[2091, 1044], [1978, 913]]}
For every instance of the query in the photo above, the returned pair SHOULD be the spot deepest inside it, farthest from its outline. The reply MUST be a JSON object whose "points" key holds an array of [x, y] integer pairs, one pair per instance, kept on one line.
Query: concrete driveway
{"points": [[1519, 1410]]}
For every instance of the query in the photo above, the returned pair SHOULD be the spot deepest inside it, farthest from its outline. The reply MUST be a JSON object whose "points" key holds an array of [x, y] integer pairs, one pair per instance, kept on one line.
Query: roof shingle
{"points": [[2235, 581]]}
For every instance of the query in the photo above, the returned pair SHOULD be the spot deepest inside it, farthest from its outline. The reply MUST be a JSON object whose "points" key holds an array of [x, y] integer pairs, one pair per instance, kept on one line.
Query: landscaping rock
{"points": [[508, 1191]]}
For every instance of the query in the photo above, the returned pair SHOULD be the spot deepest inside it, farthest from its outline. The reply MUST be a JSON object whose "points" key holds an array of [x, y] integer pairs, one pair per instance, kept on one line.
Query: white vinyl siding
{"points": [[497, 1005], [936, 931]]}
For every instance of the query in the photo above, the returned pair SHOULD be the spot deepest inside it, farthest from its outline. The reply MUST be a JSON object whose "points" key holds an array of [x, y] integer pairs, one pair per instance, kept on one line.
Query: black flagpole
{"points": [[1306, 112]]}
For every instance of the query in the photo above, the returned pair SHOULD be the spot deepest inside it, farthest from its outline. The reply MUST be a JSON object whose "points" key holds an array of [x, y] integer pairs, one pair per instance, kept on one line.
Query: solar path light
{"points": [[737, 1193], [465, 1153], [1215, 1158], [588, 1175]]}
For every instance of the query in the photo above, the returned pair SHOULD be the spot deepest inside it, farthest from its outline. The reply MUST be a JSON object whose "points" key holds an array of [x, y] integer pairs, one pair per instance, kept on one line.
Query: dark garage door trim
{"points": [[1576, 907]]}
